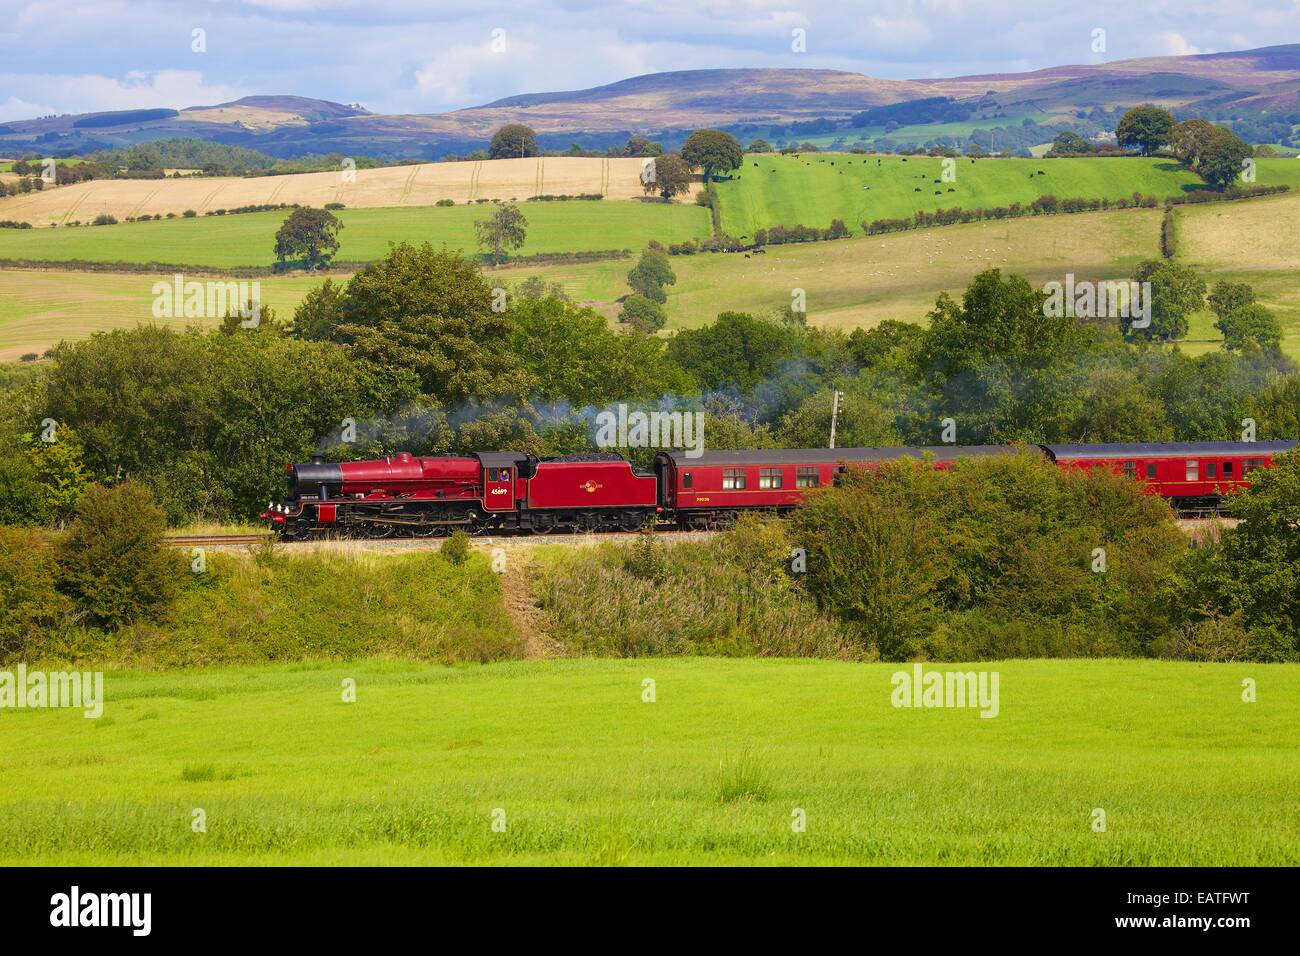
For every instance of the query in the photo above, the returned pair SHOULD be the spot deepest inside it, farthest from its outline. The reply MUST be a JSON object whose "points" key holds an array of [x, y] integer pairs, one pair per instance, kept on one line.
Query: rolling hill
{"points": [[664, 103]]}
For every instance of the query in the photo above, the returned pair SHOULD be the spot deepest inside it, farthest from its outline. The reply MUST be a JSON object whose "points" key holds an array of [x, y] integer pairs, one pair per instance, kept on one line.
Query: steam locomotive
{"points": [[493, 491]]}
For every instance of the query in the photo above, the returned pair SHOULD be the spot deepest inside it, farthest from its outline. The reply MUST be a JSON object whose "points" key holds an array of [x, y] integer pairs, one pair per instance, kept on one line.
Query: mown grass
{"points": [[815, 188], [249, 239], [711, 772]]}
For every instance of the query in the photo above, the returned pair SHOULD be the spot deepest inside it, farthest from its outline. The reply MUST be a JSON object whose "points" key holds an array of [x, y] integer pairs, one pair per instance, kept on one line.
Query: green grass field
{"points": [[808, 189], [249, 239], [712, 772], [922, 133]]}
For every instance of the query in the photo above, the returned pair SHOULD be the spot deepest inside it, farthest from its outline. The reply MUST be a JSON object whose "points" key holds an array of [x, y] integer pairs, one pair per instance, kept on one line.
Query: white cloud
{"points": [[1175, 44]]}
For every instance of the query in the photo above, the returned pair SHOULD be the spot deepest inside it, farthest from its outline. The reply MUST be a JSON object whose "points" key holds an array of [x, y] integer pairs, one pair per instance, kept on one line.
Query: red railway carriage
{"points": [[1193, 476], [712, 488]]}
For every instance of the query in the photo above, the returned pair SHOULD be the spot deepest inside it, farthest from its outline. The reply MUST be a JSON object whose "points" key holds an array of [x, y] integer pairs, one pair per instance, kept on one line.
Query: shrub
{"points": [[445, 202], [455, 550], [29, 600], [104, 219], [640, 313], [335, 205], [111, 560], [189, 214]]}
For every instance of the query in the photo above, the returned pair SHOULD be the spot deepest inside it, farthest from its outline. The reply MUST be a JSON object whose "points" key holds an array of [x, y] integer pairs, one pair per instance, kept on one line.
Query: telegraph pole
{"points": [[835, 413]]}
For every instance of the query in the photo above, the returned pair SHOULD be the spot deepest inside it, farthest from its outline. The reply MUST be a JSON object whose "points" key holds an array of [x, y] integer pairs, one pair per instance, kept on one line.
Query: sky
{"points": [[430, 56]]}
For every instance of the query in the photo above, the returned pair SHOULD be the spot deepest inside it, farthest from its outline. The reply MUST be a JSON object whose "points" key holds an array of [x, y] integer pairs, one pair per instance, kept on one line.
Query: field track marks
{"points": [[206, 202], [135, 210], [275, 193], [539, 189], [67, 216], [407, 186], [604, 177], [473, 179]]}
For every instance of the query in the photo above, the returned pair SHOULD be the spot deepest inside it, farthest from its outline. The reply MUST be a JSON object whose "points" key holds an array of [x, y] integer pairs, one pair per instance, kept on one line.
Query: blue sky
{"points": [[420, 57]]}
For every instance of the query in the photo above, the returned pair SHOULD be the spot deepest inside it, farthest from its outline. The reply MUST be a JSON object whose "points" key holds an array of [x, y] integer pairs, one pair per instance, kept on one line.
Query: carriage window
{"points": [[1227, 469], [769, 477], [1151, 469], [1211, 469], [1250, 464], [1130, 469], [733, 479], [686, 479], [807, 477], [1193, 469]]}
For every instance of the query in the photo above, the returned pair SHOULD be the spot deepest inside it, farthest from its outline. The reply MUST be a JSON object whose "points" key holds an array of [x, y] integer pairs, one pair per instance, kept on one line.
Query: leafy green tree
{"points": [[1070, 143], [1146, 128], [737, 350], [43, 481], [1176, 292], [890, 342], [651, 273], [642, 146], [512, 141], [759, 146], [1227, 296], [669, 176], [642, 313], [319, 312], [309, 234], [863, 423], [111, 560], [1276, 407], [712, 150], [1250, 323], [1189, 140], [1222, 158], [432, 312], [506, 229]]}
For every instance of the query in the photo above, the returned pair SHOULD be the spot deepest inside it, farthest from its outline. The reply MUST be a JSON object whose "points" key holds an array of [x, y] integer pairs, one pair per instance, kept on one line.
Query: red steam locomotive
{"points": [[410, 496]]}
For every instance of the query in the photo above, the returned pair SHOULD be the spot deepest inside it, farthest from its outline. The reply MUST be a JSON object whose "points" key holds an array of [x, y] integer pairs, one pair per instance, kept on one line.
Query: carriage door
{"points": [[499, 488]]}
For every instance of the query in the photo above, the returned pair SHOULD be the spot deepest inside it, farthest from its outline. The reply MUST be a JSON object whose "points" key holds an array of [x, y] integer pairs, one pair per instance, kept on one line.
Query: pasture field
{"points": [[712, 772], [816, 188], [851, 283], [1256, 242], [416, 185], [39, 309], [922, 132], [249, 239]]}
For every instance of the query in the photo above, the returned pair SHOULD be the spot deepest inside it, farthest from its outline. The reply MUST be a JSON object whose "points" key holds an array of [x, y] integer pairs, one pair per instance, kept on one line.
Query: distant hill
{"points": [[1255, 83]]}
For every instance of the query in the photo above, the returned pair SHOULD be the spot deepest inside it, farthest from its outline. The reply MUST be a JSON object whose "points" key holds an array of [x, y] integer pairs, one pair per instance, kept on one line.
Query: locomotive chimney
{"points": [[317, 459]]}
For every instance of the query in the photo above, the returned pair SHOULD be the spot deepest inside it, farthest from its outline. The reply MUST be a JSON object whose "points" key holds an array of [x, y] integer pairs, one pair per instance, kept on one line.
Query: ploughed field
{"points": [[574, 766]]}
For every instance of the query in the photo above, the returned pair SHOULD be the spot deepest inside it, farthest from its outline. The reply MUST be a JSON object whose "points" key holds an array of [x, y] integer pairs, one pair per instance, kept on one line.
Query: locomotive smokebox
{"points": [[317, 476]]}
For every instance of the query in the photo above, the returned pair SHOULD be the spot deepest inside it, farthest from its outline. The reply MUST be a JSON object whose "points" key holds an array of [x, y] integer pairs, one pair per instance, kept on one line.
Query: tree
{"points": [[1250, 323], [642, 146], [667, 175], [504, 229], [649, 276], [1189, 139], [1145, 128], [644, 314], [1070, 143], [1227, 296], [738, 350], [112, 562], [512, 141], [759, 146], [1222, 158], [713, 150], [309, 234], [319, 312], [1176, 292]]}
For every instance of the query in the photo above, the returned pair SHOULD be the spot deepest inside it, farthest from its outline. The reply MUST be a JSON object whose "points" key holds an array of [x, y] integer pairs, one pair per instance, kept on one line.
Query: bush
{"points": [[640, 313], [455, 550], [189, 214], [111, 560], [104, 219], [29, 601], [445, 202]]}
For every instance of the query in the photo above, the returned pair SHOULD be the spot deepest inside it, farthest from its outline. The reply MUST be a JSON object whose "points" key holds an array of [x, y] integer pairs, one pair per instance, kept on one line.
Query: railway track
{"points": [[194, 540]]}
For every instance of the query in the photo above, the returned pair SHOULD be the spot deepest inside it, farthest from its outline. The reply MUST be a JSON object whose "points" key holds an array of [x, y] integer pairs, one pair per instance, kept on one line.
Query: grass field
{"points": [[923, 133], [416, 185], [711, 772], [1256, 242], [249, 239], [808, 189]]}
